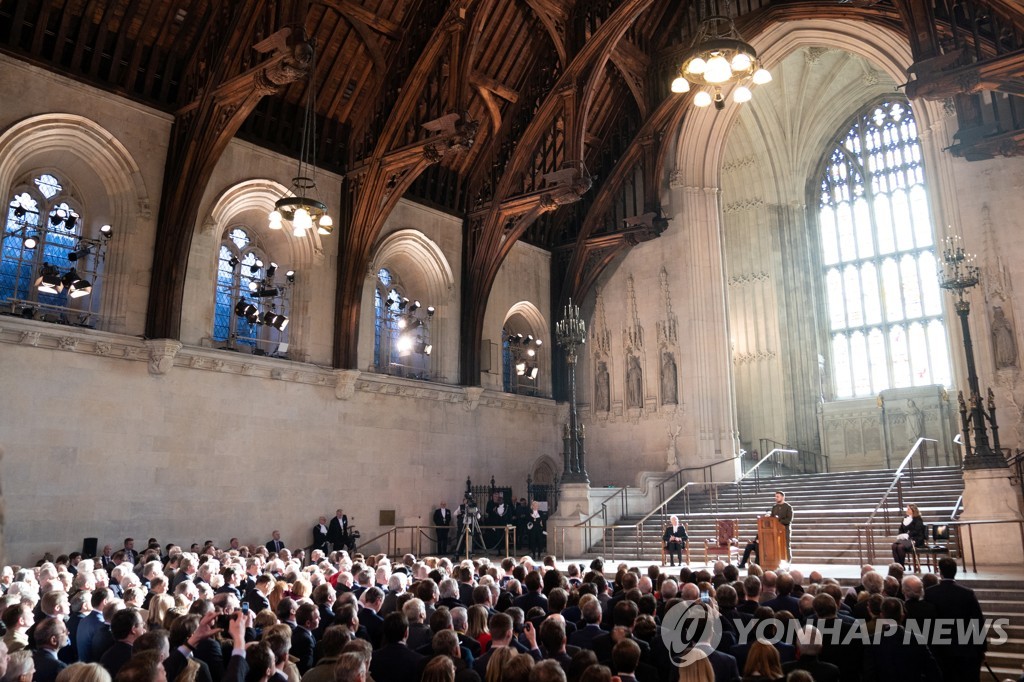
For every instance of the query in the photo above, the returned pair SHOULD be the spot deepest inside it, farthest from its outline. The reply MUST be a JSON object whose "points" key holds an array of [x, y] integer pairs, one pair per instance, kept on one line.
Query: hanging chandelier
{"points": [[304, 209], [719, 57]]}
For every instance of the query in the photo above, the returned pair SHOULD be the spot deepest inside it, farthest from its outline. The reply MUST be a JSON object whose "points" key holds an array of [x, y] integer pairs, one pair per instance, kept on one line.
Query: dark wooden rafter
{"points": [[378, 181], [554, 19], [962, 51], [595, 248], [491, 234], [202, 130]]}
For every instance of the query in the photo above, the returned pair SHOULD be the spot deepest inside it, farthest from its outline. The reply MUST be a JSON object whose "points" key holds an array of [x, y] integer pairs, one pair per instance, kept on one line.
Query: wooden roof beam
{"points": [[356, 13]]}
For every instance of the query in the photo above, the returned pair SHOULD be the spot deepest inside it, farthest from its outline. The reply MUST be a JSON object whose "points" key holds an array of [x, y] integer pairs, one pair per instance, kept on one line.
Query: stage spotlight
{"points": [[280, 322], [290, 276], [80, 253], [80, 288], [430, 311], [534, 372], [71, 222], [232, 262], [271, 270], [107, 231], [49, 281], [266, 293], [31, 241], [414, 307]]}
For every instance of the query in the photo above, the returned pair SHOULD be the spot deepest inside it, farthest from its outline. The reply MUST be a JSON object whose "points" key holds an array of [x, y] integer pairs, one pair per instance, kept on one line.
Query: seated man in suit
{"points": [[275, 544], [809, 646], [675, 540]]}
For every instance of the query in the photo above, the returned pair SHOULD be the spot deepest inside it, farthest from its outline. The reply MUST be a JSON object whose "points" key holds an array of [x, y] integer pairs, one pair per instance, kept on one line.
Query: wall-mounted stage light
{"points": [[82, 252], [232, 262], [31, 241], [77, 287], [290, 276], [271, 270], [107, 231]]}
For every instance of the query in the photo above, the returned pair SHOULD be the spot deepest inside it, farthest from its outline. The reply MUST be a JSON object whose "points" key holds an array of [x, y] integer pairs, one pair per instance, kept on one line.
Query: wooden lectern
{"points": [[771, 537]]}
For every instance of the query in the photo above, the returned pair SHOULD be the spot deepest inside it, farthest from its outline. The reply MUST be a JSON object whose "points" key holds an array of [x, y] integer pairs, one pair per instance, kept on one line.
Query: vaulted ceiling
{"points": [[542, 120]]}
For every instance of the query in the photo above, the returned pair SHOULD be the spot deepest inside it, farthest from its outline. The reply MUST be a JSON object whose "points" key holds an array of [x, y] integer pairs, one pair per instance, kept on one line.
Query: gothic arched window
{"points": [[401, 334], [878, 251], [252, 303], [49, 267]]}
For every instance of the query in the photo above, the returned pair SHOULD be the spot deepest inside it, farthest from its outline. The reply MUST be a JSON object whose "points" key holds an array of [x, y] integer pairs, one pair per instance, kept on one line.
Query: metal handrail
{"points": [[604, 506], [418, 533], [677, 475], [803, 456], [897, 476], [639, 525], [970, 536]]}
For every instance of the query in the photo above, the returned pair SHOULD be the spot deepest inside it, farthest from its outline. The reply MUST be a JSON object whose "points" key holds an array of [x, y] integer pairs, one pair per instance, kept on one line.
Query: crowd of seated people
{"points": [[247, 614]]}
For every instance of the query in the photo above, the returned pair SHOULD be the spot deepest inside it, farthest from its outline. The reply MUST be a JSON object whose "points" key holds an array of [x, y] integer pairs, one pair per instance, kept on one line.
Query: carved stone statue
{"points": [[602, 400], [669, 381], [634, 383], [915, 422], [1004, 345], [672, 455]]}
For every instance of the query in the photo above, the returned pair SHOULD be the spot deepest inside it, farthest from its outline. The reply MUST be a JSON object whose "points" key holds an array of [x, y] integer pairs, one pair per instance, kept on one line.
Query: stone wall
{"points": [[109, 436]]}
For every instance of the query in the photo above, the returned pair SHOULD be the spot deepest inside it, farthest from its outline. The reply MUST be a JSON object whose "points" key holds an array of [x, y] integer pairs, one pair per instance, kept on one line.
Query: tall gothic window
{"points": [[385, 330], [252, 300], [49, 268], [878, 251]]}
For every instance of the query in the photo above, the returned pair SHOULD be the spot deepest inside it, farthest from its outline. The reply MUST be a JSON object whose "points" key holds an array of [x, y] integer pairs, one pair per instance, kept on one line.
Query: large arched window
{"points": [[50, 268], [252, 300], [878, 251], [401, 334]]}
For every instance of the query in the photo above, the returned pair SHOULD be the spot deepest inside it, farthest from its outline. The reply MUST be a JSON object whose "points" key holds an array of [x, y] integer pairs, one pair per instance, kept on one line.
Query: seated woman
{"points": [[912, 533], [675, 539]]}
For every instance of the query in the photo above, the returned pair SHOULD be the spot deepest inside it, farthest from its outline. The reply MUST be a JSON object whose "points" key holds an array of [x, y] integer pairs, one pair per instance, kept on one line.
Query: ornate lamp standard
{"points": [[571, 333], [959, 274]]}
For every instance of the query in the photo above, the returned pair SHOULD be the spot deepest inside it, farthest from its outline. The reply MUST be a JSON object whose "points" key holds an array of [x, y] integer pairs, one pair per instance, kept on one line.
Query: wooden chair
{"points": [[686, 552], [726, 543]]}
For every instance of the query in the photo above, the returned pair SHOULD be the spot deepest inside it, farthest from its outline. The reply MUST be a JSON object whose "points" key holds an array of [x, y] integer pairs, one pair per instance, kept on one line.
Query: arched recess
{"points": [[525, 318], [705, 131], [248, 203], [425, 274], [95, 161]]}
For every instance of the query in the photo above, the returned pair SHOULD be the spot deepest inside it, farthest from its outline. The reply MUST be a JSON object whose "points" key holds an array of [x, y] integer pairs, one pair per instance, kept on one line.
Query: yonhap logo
{"points": [[691, 631]]}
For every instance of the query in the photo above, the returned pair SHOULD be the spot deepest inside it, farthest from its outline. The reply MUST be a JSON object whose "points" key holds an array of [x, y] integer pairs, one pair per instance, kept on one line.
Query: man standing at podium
{"points": [[783, 511]]}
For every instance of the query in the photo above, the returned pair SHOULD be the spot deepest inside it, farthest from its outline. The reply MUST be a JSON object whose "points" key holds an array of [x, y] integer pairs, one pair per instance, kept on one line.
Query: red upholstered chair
{"points": [[725, 544]]}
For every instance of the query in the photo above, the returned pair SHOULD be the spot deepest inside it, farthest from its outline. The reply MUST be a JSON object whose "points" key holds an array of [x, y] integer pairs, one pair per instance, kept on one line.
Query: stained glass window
{"points": [[246, 276], [878, 251]]}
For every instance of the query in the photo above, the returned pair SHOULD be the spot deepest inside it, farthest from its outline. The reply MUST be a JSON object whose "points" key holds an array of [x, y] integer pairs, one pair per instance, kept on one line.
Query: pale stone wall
{"points": [[222, 445]]}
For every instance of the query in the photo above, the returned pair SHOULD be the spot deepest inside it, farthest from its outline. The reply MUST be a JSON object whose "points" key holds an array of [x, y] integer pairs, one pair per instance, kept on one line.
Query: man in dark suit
{"points": [[892, 656], [337, 532], [919, 613], [307, 619], [275, 544], [502, 636], [320, 535], [960, 659], [809, 645], [395, 661], [50, 635], [369, 618], [840, 646], [623, 617], [584, 637], [125, 626], [257, 596], [784, 601], [533, 595], [442, 524]]}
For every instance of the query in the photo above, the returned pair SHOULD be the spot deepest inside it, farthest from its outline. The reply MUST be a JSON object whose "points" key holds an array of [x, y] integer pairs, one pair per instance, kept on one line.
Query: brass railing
{"points": [[866, 530], [417, 534], [639, 527]]}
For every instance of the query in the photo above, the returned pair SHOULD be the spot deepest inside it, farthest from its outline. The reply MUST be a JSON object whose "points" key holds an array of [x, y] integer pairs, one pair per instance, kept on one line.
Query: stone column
{"points": [[573, 507], [705, 365], [990, 495]]}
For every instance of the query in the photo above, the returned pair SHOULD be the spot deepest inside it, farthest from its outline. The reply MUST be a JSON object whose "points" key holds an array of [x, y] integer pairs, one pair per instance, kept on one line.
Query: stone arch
{"points": [[698, 163], [88, 154], [421, 262], [526, 313], [544, 470]]}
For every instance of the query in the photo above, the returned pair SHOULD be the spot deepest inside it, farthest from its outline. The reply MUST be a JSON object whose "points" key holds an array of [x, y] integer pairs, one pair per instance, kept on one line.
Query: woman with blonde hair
{"points": [[476, 625], [440, 669], [499, 663], [697, 671], [301, 589], [159, 605], [20, 667], [277, 594], [762, 663], [84, 672]]}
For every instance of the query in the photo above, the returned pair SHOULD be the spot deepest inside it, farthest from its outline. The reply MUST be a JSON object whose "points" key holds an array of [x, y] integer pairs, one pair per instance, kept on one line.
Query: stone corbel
{"points": [[345, 387], [473, 394], [161, 355]]}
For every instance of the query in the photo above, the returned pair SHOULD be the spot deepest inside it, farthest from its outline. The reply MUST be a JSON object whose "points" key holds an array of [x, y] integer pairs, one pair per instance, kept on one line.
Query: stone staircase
{"points": [[827, 510], [1003, 599]]}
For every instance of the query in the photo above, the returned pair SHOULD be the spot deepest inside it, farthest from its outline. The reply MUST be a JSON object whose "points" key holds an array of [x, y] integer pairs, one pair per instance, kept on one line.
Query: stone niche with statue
{"points": [[877, 433]]}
